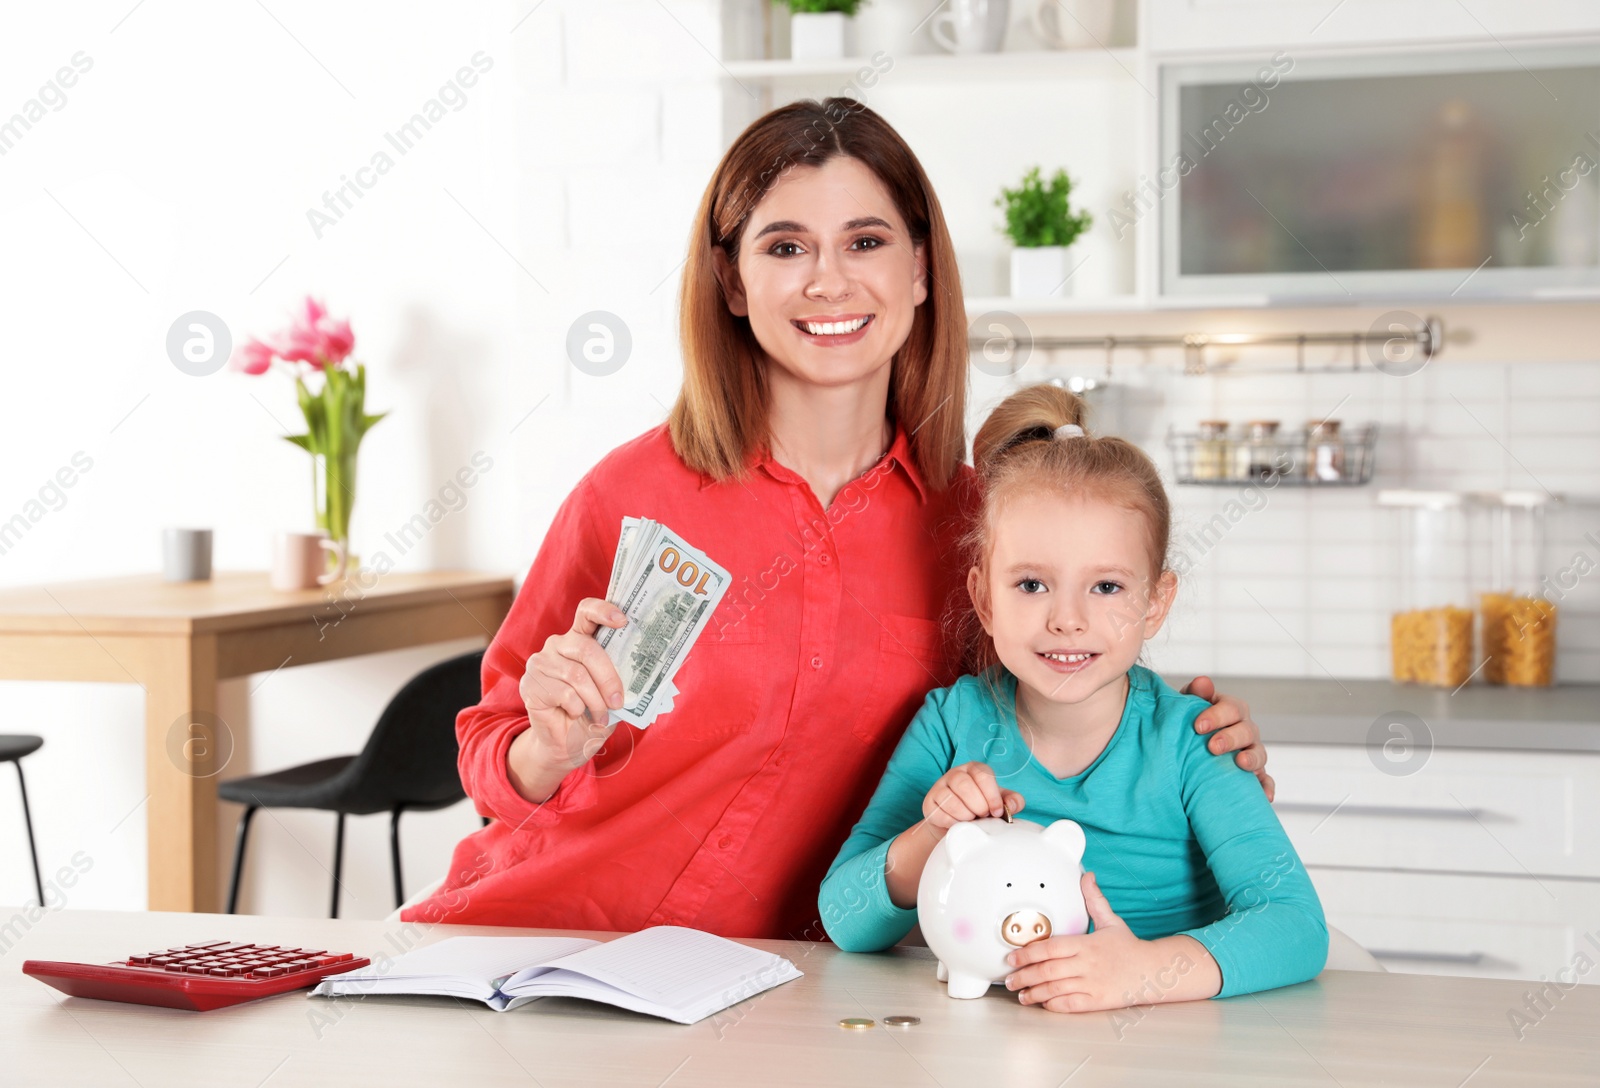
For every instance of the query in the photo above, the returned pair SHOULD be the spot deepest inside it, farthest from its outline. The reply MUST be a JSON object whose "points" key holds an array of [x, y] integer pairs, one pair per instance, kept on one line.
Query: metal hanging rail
{"points": [[1425, 341]]}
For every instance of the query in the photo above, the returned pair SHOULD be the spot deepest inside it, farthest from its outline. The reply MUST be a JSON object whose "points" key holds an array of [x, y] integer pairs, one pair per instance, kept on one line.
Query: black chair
{"points": [[409, 762], [12, 748]]}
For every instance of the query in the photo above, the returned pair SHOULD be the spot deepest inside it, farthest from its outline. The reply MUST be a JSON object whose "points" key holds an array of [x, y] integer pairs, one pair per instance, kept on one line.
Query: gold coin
{"points": [[902, 1021], [857, 1023]]}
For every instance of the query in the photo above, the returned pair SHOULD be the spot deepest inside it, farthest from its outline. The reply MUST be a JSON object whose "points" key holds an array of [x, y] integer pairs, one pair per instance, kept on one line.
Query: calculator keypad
{"points": [[222, 959]]}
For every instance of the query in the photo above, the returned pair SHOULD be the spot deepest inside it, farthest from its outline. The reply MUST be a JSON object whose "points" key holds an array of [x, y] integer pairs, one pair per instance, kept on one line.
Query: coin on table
{"points": [[902, 1021], [857, 1023]]}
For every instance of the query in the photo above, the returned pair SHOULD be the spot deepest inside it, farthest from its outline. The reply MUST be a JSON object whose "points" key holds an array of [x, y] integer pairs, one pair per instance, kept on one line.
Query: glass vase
{"points": [[333, 488]]}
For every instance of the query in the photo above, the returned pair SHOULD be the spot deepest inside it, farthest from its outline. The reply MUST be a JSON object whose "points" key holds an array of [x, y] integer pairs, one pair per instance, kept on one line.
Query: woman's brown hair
{"points": [[1017, 453], [720, 417]]}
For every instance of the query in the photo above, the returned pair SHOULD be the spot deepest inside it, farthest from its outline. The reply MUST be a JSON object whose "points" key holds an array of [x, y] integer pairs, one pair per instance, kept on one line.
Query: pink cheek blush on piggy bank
{"points": [[991, 887]]}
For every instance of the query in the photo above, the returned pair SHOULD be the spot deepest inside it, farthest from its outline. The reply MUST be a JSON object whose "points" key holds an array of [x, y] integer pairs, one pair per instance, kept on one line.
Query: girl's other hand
{"points": [[1107, 968], [967, 792], [1229, 719]]}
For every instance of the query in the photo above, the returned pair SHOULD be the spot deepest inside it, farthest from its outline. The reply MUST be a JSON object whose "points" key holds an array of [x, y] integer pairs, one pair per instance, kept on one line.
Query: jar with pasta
{"points": [[1517, 611], [1431, 631]]}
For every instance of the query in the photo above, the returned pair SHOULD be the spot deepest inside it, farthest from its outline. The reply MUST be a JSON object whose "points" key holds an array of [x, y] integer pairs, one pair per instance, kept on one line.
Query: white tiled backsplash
{"points": [[1304, 584]]}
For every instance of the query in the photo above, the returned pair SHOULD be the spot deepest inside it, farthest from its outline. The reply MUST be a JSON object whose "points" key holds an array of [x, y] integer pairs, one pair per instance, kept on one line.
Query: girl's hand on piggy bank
{"points": [[967, 792], [1110, 968]]}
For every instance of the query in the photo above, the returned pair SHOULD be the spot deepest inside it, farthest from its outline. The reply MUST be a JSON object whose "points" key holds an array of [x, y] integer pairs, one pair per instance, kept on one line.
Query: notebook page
{"points": [[558, 983], [482, 959], [679, 968]]}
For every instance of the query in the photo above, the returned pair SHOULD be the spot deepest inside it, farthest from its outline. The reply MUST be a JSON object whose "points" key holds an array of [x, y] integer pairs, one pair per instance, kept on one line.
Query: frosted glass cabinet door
{"points": [[1441, 174]]}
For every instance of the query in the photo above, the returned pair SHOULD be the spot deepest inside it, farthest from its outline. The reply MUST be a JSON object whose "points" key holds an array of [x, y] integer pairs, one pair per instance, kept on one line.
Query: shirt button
{"points": [[725, 842], [816, 661], [823, 558]]}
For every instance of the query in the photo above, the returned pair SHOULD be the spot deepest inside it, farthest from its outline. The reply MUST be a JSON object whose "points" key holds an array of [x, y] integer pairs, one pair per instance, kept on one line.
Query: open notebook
{"points": [[667, 971]]}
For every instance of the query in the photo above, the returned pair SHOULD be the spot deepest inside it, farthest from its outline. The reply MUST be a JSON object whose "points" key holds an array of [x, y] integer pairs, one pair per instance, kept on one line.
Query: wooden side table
{"points": [[177, 639]]}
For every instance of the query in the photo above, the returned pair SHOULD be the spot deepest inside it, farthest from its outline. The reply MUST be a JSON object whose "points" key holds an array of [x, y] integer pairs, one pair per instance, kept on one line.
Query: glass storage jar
{"points": [[1518, 616], [1430, 635], [1324, 451], [1211, 450], [1256, 456]]}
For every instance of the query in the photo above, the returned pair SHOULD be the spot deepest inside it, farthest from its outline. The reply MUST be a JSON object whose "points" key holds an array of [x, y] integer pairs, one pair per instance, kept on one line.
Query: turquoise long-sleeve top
{"points": [[1179, 840]]}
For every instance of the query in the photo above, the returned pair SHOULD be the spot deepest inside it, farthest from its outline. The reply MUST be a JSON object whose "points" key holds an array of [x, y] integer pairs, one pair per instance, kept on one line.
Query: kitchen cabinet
{"points": [[1455, 173], [1478, 862], [1481, 926]]}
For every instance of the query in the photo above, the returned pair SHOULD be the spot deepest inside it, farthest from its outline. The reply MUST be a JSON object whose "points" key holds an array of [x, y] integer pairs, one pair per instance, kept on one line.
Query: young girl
{"points": [[1192, 886]]}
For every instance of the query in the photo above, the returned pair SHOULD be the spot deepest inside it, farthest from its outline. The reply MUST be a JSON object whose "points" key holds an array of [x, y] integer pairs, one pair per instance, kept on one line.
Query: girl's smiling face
{"points": [[827, 274], [1070, 594]]}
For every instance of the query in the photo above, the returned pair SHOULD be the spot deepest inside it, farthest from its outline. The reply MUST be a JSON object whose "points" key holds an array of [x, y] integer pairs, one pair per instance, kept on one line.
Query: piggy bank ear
{"points": [[964, 839], [1067, 837]]}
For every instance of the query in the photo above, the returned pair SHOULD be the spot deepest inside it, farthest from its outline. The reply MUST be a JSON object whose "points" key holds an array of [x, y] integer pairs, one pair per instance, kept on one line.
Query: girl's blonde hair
{"points": [[1017, 453], [720, 417]]}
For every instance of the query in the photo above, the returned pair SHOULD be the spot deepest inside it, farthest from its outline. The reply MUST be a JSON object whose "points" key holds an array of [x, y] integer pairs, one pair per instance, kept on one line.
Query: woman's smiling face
{"points": [[827, 274]]}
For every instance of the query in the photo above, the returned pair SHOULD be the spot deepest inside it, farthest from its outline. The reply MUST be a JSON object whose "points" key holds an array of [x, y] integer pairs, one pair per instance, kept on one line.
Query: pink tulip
{"points": [[253, 357], [298, 345], [316, 338], [338, 341]]}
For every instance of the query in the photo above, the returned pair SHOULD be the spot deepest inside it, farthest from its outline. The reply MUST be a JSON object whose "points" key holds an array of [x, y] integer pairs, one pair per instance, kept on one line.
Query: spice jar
{"points": [[1430, 638], [1324, 451], [1211, 450], [1517, 615], [1256, 457]]}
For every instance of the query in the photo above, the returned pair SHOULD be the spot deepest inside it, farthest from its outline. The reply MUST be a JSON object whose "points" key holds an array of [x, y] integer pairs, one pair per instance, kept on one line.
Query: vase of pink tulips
{"points": [[335, 414]]}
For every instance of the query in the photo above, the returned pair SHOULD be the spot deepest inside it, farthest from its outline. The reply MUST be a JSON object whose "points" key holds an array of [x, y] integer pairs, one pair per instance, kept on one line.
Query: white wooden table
{"points": [[1344, 1029]]}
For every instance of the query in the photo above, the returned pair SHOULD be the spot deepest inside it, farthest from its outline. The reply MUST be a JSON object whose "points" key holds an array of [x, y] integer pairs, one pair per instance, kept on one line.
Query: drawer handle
{"points": [[1464, 959], [1403, 811]]}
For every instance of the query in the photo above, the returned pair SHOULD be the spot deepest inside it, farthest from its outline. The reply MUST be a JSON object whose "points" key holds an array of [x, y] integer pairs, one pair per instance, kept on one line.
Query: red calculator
{"points": [[197, 976]]}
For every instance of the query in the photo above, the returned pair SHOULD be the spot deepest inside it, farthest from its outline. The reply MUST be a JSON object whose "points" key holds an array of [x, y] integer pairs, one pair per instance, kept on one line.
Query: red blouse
{"points": [[726, 812]]}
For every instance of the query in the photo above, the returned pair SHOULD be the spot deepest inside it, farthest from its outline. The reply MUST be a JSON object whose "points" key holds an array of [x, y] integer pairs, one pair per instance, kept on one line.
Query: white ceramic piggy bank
{"points": [[991, 887]]}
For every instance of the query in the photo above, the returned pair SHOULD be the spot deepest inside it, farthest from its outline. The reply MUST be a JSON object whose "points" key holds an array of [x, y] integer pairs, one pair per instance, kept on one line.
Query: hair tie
{"points": [[1069, 430]]}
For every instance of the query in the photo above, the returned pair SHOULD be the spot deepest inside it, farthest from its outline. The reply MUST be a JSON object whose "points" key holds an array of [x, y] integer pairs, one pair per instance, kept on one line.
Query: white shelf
{"points": [[1071, 304], [1034, 64]]}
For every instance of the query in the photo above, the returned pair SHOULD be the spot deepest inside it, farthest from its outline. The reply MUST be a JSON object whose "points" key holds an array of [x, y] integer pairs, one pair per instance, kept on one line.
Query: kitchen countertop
{"points": [[1299, 710]]}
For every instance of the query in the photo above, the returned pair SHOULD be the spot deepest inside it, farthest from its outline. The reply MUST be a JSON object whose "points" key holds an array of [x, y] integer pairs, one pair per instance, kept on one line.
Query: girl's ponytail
{"points": [[1031, 413]]}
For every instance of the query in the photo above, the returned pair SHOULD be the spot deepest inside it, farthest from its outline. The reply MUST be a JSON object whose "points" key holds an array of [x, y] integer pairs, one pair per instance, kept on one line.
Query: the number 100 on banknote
{"points": [[684, 570]]}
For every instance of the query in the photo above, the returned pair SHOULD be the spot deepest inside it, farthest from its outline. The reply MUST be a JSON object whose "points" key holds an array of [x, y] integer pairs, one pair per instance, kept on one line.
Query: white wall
{"points": [[177, 177]]}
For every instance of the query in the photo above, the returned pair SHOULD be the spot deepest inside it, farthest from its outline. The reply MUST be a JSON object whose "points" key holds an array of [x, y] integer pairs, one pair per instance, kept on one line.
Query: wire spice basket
{"points": [[1321, 454]]}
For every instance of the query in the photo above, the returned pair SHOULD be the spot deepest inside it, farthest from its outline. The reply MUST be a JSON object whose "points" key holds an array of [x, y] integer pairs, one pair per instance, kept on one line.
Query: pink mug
{"points": [[298, 560]]}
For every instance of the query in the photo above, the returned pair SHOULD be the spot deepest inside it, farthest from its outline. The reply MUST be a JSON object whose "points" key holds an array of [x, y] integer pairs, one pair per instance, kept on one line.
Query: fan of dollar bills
{"points": [[668, 589]]}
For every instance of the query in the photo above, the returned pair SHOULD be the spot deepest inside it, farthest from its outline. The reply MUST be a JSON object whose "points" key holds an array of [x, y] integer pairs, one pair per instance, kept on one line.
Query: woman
{"points": [[815, 451]]}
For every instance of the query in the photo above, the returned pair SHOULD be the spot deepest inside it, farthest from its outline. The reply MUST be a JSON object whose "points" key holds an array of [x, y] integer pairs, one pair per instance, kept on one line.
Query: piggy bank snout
{"points": [[1024, 927]]}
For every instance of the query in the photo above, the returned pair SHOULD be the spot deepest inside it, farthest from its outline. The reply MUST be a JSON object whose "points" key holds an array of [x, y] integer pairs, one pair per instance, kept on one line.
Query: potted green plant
{"points": [[817, 27], [1042, 226]]}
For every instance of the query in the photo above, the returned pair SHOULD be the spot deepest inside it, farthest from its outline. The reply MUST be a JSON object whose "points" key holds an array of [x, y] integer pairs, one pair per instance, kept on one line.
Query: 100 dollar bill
{"points": [[668, 590]]}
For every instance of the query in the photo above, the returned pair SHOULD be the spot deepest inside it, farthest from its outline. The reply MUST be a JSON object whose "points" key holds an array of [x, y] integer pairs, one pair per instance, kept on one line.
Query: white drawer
{"points": [[1483, 926], [1512, 813]]}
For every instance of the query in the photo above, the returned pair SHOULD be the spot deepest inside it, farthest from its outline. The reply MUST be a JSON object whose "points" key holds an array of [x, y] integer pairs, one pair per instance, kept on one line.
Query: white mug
{"points": [[972, 26], [298, 561], [1074, 24]]}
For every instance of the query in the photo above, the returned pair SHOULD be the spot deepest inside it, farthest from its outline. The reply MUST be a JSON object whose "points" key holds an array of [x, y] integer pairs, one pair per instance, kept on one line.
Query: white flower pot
{"points": [[1041, 271], [816, 35]]}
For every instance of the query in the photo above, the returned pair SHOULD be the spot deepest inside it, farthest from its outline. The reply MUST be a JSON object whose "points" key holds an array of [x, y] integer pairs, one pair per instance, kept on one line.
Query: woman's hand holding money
{"points": [[568, 719]]}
